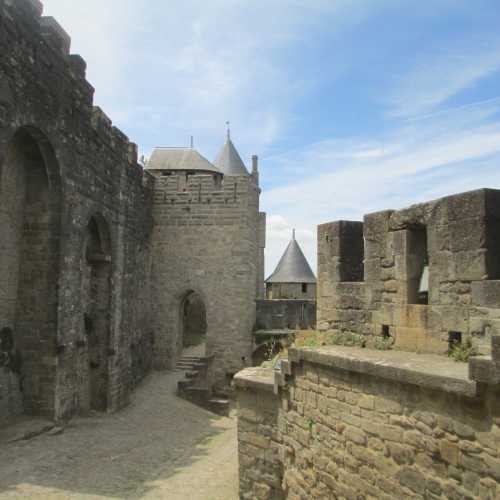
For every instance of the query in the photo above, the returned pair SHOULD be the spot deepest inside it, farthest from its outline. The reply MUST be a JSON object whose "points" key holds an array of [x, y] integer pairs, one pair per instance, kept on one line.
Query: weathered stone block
{"points": [[449, 452]]}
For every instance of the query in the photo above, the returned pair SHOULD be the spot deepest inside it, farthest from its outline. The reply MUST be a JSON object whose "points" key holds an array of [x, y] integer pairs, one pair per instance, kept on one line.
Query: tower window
{"points": [[304, 287]]}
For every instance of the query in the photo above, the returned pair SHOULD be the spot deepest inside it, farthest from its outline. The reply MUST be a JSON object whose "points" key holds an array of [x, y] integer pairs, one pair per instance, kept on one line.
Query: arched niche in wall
{"points": [[96, 302], [30, 207]]}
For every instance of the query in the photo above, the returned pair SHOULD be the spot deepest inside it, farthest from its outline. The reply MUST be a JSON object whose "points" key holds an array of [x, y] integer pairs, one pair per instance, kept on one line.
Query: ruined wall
{"points": [[354, 423], [49, 127], [205, 240], [286, 314], [368, 273]]}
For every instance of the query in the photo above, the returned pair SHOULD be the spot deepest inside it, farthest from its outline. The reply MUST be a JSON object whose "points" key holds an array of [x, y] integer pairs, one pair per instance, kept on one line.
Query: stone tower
{"points": [[207, 239], [293, 277]]}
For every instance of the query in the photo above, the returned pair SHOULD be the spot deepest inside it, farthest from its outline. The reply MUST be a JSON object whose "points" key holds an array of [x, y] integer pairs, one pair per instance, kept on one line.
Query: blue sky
{"points": [[353, 106]]}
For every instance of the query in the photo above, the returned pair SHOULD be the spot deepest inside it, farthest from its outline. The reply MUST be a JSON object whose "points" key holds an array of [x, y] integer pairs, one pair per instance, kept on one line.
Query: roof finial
{"points": [[293, 234], [228, 123]]}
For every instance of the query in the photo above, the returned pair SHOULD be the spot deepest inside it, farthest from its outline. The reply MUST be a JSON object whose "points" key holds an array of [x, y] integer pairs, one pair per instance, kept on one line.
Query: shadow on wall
{"points": [[30, 200], [286, 314]]}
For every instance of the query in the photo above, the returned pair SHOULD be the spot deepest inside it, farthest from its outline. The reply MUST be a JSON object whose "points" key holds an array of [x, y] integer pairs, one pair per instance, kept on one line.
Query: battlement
{"points": [[55, 35], [213, 189], [44, 40], [423, 275]]}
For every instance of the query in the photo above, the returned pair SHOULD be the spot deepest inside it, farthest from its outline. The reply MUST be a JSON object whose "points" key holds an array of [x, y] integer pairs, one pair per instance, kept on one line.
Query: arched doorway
{"points": [[194, 324], [29, 271], [96, 298]]}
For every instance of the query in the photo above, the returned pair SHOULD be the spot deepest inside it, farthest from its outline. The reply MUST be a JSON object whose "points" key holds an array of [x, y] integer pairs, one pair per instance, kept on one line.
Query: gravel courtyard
{"points": [[160, 447]]}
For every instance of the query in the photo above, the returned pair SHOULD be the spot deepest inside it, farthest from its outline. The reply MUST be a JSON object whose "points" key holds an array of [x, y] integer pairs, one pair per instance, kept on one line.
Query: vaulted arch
{"points": [[30, 208], [96, 303]]}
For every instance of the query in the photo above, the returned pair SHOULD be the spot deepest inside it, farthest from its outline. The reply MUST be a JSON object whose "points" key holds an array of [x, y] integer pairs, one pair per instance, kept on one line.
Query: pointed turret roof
{"points": [[229, 160], [293, 266]]}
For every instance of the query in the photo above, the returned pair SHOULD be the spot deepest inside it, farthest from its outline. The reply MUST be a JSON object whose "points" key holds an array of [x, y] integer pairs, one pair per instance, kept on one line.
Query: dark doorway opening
{"points": [[194, 323]]}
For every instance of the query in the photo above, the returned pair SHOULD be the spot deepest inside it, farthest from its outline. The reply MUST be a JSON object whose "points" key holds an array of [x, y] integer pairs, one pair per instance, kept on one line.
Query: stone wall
{"points": [[357, 423], [369, 273], [206, 240], [261, 470], [304, 291], [65, 165], [286, 314]]}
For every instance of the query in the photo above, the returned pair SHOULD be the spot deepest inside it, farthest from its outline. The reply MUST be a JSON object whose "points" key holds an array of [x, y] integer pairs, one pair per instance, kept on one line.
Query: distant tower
{"points": [[208, 241], [293, 277]]}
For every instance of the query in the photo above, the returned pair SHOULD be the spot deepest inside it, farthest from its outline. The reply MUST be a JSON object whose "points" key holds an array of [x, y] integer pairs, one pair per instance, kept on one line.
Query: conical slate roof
{"points": [[292, 267], [229, 161]]}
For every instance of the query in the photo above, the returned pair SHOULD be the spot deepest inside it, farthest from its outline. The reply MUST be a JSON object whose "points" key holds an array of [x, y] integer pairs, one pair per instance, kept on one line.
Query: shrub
{"points": [[347, 339], [383, 343], [462, 351]]}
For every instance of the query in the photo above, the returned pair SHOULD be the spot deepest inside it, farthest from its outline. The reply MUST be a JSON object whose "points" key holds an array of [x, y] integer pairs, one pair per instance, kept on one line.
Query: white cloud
{"points": [[166, 70], [439, 74], [425, 160]]}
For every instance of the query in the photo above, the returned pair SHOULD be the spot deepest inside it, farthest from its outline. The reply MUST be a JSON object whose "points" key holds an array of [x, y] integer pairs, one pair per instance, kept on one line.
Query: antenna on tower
{"points": [[293, 234], [228, 126], [192, 142]]}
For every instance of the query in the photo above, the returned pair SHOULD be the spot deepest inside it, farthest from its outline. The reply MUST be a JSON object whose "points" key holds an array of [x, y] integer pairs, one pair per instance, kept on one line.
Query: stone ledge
{"points": [[424, 370], [258, 378]]}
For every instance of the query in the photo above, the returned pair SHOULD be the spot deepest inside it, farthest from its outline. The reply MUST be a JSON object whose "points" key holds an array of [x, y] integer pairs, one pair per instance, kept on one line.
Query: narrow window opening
{"points": [[386, 334], [492, 241], [418, 266], [304, 287], [351, 255], [454, 338]]}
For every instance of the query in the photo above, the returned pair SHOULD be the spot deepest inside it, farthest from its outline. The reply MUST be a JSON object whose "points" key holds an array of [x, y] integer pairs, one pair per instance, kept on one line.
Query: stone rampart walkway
{"points": [[160, 447]]}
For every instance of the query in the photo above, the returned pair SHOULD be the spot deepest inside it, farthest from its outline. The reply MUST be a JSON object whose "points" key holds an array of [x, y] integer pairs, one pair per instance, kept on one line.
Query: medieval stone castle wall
{"points": [[357, 422], [205, 240], [97, 254], [369, 272]]}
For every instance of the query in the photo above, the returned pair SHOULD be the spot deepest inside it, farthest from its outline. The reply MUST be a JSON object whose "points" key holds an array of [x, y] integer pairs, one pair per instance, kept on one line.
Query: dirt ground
{"points": [[160, 447]]}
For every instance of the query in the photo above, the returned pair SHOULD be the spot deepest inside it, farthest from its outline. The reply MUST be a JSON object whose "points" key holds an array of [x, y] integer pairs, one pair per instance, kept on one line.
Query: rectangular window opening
{"points": [[386, 333], [454, 338], [304, 287], [418, 266]]}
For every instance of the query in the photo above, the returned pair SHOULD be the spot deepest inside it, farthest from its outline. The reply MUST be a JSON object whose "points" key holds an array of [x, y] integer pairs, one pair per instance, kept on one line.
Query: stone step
{"points": [[219, 406], [184, 385], [191, 362], [188, 366]]}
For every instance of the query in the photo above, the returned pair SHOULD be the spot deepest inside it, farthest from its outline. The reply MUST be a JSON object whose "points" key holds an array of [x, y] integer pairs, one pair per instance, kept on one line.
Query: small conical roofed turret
{"points": [[228, 160], [293, 266]]}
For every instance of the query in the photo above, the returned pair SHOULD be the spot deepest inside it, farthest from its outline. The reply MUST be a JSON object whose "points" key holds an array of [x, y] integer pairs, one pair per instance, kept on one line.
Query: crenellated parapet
{"points": [[427, 276], [202, 189], [57, 78]]}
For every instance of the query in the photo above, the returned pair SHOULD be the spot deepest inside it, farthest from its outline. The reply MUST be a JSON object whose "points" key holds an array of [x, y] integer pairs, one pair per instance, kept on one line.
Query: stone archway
{"points": [[193, 323], [96, 303], [30, 199]]}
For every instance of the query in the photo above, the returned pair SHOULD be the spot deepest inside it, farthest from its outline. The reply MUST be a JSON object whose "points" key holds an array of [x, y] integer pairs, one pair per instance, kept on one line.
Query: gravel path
{"points": [[160, 447]]}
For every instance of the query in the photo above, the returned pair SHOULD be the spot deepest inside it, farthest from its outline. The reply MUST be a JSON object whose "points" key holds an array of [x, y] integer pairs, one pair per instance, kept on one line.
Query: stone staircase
{"points": [[195, 386]]}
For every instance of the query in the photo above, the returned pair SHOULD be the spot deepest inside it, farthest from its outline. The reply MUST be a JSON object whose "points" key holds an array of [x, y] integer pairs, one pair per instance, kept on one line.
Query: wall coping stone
{"points": [[425, 370], [255, 378]]}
